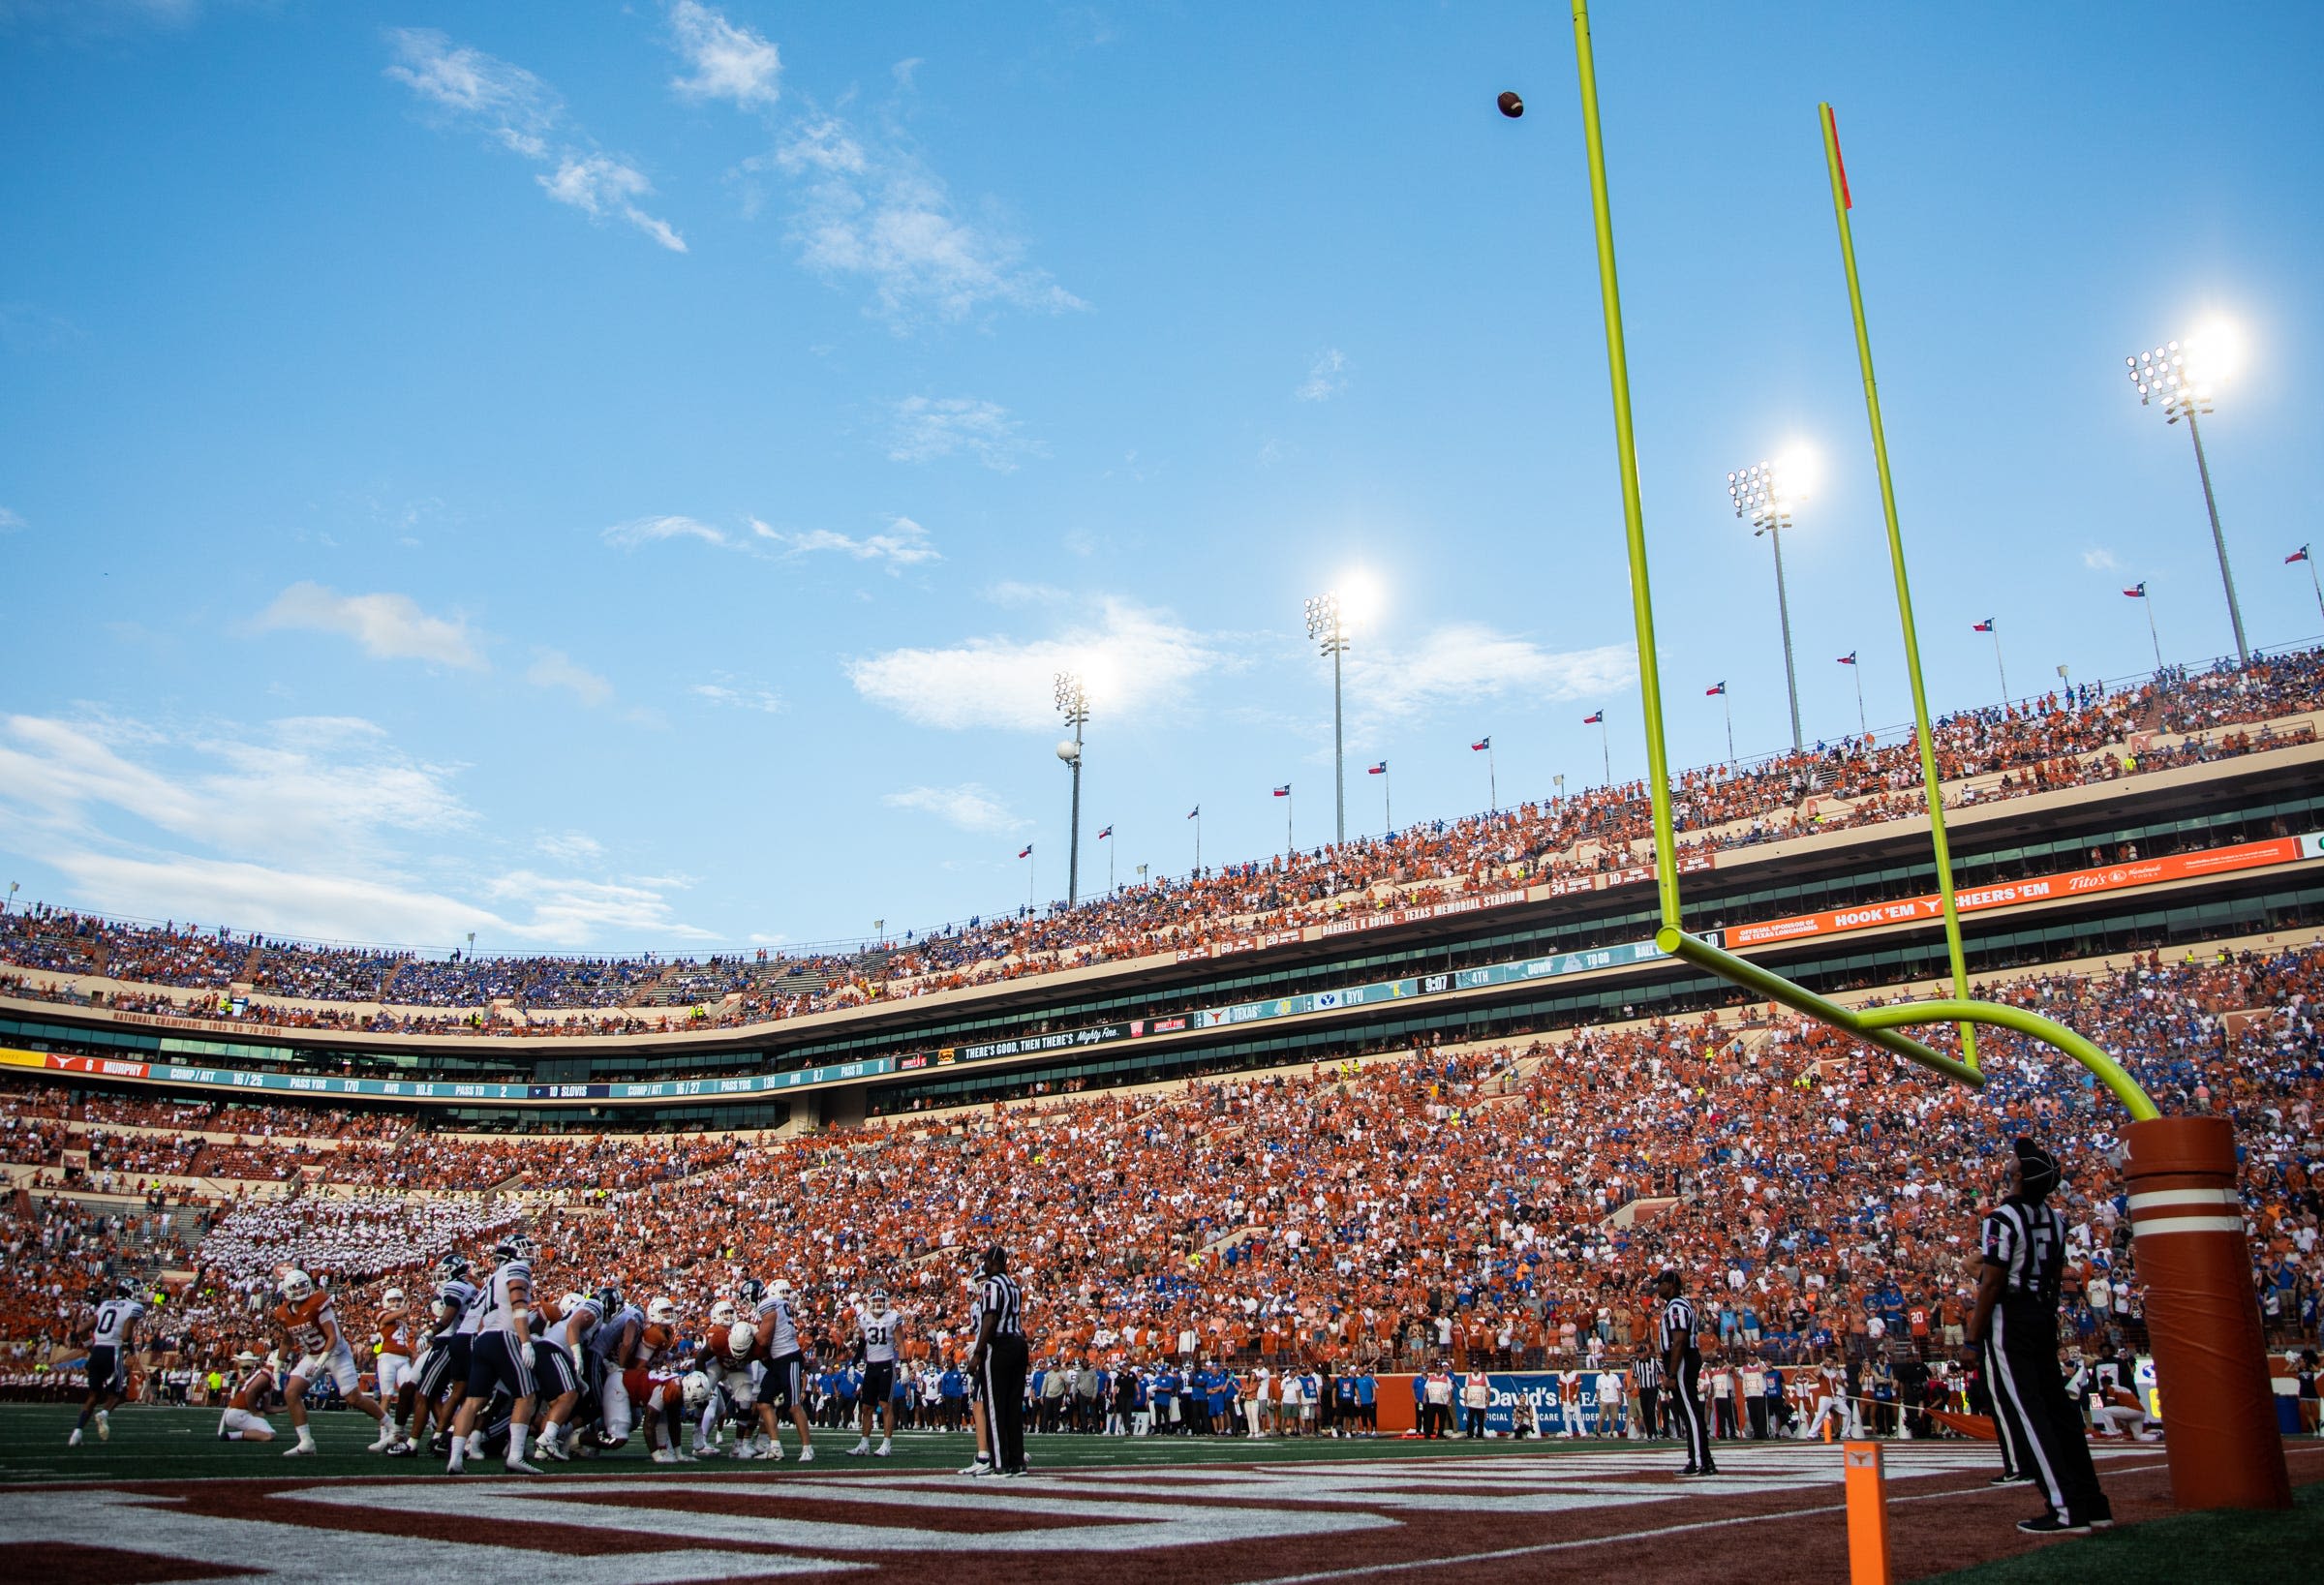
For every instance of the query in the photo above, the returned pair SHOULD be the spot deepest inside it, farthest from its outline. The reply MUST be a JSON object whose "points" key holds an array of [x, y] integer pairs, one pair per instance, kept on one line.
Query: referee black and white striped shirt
{"points": [[2028, 1242], [1646, 1375], [1676, 1328], [1004, 1302]]}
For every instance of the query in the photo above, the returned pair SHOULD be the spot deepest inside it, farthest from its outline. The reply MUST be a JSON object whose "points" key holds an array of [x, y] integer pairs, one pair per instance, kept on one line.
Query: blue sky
{"points": [[624, 475]]}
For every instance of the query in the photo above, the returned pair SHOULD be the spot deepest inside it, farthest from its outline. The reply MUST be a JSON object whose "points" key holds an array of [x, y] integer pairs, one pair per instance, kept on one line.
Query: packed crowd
{"points": [[1498, 1204], [2070, 737]]}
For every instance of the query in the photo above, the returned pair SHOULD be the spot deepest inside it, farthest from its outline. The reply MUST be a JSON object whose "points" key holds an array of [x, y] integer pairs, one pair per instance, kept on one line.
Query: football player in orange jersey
{"points": [[305, 1318], [393, 1351], [253, 1383]]}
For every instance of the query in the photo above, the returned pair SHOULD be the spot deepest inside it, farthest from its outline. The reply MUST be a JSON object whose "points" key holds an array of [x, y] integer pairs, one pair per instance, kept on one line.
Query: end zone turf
{"points": [[166, 1501]]}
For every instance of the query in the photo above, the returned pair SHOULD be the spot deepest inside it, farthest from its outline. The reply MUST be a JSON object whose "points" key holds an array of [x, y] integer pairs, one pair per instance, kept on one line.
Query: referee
{"points": [[2023, 1241], [1682, 1371], [998, 1361]]}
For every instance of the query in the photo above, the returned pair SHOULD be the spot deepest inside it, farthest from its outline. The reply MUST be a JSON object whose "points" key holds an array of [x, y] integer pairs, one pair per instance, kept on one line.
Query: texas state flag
{"points": [[2138, 593], [1593, 718], [1102, 835], [1379, 769], [1026, 852], [2300, 555], [1284, 791], [1479, 745], [1985, 627], [1714, 690], [1848, 659]]}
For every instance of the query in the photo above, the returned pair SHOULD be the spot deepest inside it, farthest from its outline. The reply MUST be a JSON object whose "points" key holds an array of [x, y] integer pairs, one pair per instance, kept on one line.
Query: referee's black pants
{"points": [[1005, 1401], [2009, 1427], [1686, 1400], [2057, 1450], [1650, 1411]]}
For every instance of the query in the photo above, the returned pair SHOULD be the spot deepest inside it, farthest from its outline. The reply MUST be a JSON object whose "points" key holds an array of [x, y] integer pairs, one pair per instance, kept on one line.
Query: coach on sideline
{"points": [[998, 1361]]}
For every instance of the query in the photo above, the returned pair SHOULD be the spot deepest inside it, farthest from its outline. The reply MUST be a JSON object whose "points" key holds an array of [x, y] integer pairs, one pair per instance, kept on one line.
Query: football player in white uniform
{"points": [[501, 1355], [563, 1343], [878, 1325], [442, 1365], [111, 1335], [786, 1384]]}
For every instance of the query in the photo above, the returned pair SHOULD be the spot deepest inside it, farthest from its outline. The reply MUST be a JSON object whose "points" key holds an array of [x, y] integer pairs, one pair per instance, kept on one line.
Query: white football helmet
{"points": [[569, 1303], [663, 1312], [780, 1289], [696, 1388], [721, 1314], [742, 1340], [879, 1301], [392, 1300], [297, 1285]]}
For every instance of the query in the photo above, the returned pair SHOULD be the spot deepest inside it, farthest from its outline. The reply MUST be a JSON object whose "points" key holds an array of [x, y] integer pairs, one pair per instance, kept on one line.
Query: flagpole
{"points": [[1726, 703], [1997, 661], [2313, 582], [1857, 672], [1606, 749], [1931, 785], [1029, 861], [1492, 779], [1287, 800], [2148, 601], [1387, 809], [1198, 840]]}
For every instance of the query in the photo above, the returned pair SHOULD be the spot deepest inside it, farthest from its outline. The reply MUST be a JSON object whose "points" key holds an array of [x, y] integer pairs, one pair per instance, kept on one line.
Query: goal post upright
{"points": [[2190, 1239]]}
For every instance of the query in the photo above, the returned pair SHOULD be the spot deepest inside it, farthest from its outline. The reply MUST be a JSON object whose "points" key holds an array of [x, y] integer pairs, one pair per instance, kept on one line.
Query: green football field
{"points": [[182, 1444]]}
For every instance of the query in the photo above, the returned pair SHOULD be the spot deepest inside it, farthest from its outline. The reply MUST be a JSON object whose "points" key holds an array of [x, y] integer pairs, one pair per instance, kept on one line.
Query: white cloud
{"points": [[647, 531], [1132, 659], [738, 693], [389, 626], [969, 805], [905, 70], [872, 210], [1469, 660], [515, 107], [729, 62], [9, 522], [524, 116], [570, 846], [555, 669], [601, 186], [905, 543], [2099, 560], [296, 827], [1010, 592], [300, 789], [927, 428], [1326, 379]]}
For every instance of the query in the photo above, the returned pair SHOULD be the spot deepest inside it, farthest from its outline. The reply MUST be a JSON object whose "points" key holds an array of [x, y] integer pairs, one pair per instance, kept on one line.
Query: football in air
{"points": [[1511, 105]]}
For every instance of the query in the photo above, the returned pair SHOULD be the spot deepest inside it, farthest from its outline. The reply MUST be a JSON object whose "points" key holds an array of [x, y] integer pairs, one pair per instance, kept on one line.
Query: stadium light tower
{"points": [[2181, 378], [1327, 627], [1073, 703], [1765, 493]]}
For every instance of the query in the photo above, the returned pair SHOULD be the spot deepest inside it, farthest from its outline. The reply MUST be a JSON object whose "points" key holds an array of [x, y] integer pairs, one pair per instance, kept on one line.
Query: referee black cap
{"points": [[2036, 1168]]}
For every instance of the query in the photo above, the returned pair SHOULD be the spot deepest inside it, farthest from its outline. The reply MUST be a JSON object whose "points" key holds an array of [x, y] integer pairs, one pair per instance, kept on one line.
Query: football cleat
{"points": [[73, 1440], [517, 1466], [105, 1426], [406, 1449], [302, 1449], [884, 1448], [664, 1455], [980, 1466], [861, 1449], [2049, 1524], [386, 1439], [550, 1450], [806, 1455]]}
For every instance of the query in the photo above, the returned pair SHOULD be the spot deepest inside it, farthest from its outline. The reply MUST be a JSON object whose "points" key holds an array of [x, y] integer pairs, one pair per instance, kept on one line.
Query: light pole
{"points": [[1763, 494], [1323, 626], [2164, 375], [1073, 702]]}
